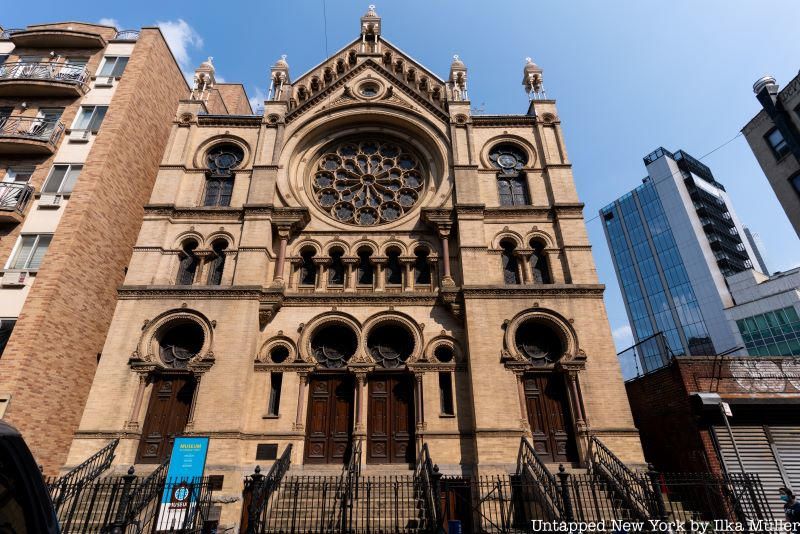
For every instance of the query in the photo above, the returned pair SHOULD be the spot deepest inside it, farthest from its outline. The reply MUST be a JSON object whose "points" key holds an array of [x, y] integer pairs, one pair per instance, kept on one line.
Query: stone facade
{"points": [[499, 270], [65, 307]]}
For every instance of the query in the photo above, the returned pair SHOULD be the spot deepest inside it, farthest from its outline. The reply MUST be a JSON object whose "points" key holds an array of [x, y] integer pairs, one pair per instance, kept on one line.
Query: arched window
{"points": [[390, 344], [394, 271], [217, 263], [221, 160], [538, 343], [541, 270], [333, 345], [336, 268], [512, 186], [510, 263], [365, 269], [422, 269], [188, 263], [308, 271]]}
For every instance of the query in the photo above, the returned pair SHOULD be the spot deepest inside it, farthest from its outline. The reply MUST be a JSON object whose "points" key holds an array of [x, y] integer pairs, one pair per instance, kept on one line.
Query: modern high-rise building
{"points": [[774, 137], [85, 113], [365, 263], [673, 241]]}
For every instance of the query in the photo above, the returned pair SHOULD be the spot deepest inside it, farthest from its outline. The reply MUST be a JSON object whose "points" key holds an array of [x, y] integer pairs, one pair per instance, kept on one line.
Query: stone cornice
{"points": [[539, 290], [372, 298], [503, 120], [189, 292], [198, 212], [236, 121]]}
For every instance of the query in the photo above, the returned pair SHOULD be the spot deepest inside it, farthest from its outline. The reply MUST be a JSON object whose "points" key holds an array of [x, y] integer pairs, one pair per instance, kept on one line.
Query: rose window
{"points": [[367, 182]]}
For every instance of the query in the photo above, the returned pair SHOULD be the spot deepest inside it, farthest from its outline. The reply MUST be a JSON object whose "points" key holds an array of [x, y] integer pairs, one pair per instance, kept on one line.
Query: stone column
{"points": [[581, 428], [524, 260], [133, 418], [322, 272], [523, 409], [380, 282], [283, 234], [419, 409], [193, 407], [447, 277], [360, 426], [350, 277], [433, 264], [301, 399], [408, 266]]}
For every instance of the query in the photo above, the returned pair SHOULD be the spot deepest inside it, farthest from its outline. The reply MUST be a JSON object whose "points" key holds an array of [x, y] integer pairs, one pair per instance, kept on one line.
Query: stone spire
{"points": [[370, 23], [458, 80], [204, 80], [532, 80], [279, 78]]}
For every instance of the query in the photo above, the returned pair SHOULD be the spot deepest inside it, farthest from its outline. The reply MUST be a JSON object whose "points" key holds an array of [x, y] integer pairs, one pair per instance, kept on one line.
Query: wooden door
{"points": [[548, 414], [390, 419], [329, 429], [167, 415]]}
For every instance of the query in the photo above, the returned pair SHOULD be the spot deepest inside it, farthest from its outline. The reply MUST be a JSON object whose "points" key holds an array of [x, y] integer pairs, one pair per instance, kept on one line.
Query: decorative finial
{"points": [[455, 57]]}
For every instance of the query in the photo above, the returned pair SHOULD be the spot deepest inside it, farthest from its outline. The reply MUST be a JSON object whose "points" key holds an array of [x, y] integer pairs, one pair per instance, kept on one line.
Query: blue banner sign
{"points": [[181, 492]]}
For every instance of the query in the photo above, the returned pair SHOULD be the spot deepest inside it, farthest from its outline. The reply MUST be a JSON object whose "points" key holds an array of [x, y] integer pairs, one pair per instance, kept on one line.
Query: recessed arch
{"points": [[507, 235], [441, 342], [516, 140], [149, 347], [270, 349], [540, 235], [199, 159], [305, 244], [394, 318], [326, 320], [556, 323], [181, 239]]}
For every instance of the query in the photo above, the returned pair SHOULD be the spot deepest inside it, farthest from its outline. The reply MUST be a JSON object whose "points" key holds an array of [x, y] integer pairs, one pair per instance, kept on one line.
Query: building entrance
{"points": [[390, 419], [329, 434], [549, 417]]}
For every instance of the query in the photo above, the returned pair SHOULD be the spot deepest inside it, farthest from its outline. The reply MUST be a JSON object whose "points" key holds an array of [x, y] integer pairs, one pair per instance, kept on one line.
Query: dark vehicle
{"points": [[25, 505]]}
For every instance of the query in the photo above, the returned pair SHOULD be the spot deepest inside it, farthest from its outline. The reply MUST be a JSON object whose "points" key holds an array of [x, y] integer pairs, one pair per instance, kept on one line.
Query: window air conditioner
{"points": [[13, 279], [49, 200], [79, 135]]}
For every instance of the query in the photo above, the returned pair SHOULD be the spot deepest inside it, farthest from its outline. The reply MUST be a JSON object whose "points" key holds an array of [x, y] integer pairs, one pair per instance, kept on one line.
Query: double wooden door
{"points": [[391, 422], [167, 415], [329, 433], [549, 416]]}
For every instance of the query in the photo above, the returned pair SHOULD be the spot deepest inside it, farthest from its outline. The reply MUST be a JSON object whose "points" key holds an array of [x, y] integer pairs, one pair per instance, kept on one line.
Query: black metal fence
{"points": [[132, 504]]}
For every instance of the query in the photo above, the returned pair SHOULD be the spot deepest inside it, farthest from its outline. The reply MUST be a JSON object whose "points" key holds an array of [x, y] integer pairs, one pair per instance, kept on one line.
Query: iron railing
{"points": [[73, 480], [631, 487], [258, 490], [15, 197], [127, 35], [44, 70], [348, 490], [530, 468], [427, 480], [6, 34], [33, 128]]}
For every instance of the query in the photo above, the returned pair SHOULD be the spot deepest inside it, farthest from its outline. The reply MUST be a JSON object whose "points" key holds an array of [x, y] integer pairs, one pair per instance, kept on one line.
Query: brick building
{"points": [[84, 117], [366, 262], [677, 411]]}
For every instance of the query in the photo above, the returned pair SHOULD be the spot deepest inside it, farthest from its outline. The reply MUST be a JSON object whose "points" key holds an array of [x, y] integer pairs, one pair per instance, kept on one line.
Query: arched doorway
{"points": [[391, 418], [546, 397], [331, 406], [172, 393]]}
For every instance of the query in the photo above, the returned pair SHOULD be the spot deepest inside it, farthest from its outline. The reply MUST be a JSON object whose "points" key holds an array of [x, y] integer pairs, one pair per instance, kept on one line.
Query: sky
{"points": [[628, 76]]}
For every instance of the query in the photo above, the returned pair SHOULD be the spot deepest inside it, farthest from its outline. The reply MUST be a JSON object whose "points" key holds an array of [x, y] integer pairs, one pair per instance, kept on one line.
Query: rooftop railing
{"points": [[44, 70], [6, 34], [31, 128], [127, 35]]}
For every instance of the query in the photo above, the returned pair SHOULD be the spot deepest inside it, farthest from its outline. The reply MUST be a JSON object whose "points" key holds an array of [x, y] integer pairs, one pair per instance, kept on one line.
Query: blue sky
{"points": [[629, 76]]}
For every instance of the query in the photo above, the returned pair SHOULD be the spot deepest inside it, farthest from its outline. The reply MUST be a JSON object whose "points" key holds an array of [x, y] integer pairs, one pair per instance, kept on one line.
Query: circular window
{"points": [[369, 90], [333, 345], [390, 345], [279, 353], [180, 343], [510, 159], [223, 158], [538, 343], [367, 182], [443, 353]]}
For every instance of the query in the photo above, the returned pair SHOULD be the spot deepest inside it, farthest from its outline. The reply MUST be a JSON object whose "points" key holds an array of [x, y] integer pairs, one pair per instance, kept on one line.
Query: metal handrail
{"points": [[150, 488], [529, 464], [262, 487], [15, 197], [348, 486], [88, 470], [127, 35], [44, 70], [34, 128], [426, 480], [634, 489]]}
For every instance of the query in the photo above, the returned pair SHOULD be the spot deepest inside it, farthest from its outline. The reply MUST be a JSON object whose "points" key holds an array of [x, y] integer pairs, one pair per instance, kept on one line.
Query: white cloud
{"points": [[181, 39], [257, 100], [623, 337], [110, 22]]}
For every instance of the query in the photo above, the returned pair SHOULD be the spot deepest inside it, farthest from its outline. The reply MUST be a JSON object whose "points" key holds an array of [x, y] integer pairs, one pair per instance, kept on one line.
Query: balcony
{"points": [[29, 135], [51, 37], [43, 78], [14, 199]]}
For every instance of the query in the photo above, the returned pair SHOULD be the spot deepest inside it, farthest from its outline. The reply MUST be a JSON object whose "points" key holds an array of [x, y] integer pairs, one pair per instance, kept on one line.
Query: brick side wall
{"points": [[50, 361]]}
